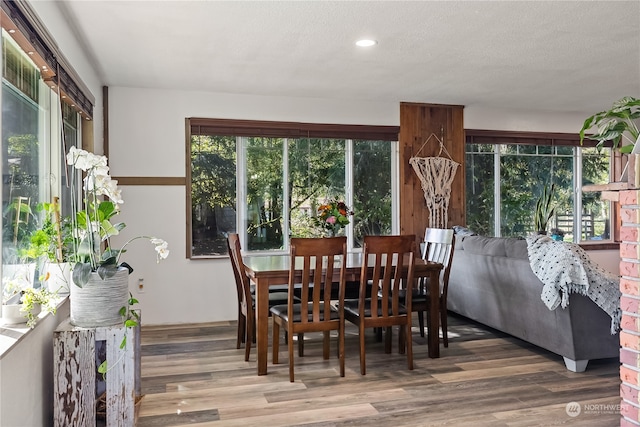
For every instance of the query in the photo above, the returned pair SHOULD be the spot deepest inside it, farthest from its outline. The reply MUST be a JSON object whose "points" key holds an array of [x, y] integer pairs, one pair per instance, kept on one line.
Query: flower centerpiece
{"points": [[96, 263], [332, 216]]}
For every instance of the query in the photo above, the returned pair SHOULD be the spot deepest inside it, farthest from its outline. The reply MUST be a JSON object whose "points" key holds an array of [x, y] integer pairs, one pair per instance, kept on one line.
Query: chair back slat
{"points": [[387, 256], [439, 245], [308, 258]]}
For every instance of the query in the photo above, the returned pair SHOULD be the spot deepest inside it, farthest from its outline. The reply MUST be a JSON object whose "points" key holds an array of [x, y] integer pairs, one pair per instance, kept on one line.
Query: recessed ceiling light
{"points": [[366, 43]]}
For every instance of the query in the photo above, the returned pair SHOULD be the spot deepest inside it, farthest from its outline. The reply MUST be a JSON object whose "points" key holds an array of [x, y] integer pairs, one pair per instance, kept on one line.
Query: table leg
{"points": [[434, 314], [262, 325]]}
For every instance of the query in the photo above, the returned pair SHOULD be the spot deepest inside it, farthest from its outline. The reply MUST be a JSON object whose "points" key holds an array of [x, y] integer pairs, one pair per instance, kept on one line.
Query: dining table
{"points": [[266, 271]]}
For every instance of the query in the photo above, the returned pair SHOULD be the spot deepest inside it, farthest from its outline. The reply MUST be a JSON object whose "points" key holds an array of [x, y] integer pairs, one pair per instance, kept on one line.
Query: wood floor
{"points": [[192, 375]]}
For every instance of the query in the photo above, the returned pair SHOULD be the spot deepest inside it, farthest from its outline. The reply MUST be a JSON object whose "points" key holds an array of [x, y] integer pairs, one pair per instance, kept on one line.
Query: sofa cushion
{"points": [[510, 247]]}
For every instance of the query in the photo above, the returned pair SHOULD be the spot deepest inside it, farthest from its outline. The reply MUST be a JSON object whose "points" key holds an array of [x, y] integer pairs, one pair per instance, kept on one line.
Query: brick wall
{"points": [[630, 301]]}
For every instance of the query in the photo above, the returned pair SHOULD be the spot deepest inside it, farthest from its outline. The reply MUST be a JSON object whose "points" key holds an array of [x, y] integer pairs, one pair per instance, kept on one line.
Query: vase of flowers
{"points": [[332, 217], [100, 290]]}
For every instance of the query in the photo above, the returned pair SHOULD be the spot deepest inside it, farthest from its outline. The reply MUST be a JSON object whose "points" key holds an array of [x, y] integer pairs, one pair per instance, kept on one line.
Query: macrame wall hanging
{"points": [[436, 175]]}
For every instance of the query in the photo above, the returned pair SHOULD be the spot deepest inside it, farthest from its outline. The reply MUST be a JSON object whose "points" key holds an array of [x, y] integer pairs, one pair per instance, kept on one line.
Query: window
{"points": [[25, 168], [33, 161], [524, 165], [271, 178]]}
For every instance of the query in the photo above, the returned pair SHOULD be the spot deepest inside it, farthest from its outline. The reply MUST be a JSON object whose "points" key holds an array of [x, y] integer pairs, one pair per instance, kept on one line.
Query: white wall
{"points": [[607, 259], [26, 375]]}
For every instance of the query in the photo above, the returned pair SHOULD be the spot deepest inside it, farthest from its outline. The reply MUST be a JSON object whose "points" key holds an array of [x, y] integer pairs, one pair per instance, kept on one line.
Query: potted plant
{"points": [[25, 305], [17, 225], [100, 291], [617, 125], [545, 209], [49, 246], [100, 285]]}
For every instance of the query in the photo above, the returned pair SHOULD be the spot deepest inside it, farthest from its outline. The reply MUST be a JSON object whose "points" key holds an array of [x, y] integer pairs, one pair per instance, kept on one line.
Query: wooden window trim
{"points": [[229, 127], [480, 136]]}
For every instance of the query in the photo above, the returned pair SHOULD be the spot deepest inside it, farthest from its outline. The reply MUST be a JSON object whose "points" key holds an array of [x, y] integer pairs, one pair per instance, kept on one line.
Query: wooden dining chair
{"points": [[438, 247], [246, 301], [311, 272], [383, 309]]}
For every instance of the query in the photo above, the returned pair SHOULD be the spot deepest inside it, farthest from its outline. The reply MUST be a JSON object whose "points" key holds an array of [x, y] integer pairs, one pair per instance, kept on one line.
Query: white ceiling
{"points": [[561, 56]]}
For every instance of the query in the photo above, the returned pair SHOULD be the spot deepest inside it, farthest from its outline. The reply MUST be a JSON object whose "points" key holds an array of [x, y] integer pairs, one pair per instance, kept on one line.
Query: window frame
{"points": [[493, 137], [254, 128]]}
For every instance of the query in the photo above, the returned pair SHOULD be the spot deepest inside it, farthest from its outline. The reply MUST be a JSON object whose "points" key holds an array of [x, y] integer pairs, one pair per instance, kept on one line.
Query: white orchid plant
{"points": [[91, 225]]}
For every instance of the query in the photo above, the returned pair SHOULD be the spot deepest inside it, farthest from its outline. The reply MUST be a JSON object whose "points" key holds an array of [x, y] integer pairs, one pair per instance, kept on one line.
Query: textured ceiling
{"points": [[573, 56]]}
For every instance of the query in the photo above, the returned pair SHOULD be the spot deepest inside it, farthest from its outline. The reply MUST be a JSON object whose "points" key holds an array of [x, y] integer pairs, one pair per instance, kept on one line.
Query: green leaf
{"points": [[102, 369], [81, 219], [107, 270], [626, 149], [84, 248], [130, 323], [106, 210], [123, 344], [108, 230], [614, 124], [81, 273]]}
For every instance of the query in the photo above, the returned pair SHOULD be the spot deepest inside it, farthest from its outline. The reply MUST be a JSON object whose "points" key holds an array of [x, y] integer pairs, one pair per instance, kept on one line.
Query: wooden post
{"points": [[417, 123], [75, 375]]}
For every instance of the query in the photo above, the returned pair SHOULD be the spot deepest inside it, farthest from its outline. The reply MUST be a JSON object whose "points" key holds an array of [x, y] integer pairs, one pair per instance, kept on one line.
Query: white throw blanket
{"points": [[565, 267]]}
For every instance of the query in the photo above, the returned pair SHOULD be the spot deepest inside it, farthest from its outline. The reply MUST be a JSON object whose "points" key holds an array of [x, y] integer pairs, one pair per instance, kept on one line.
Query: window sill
{"points": [[11, 335]]}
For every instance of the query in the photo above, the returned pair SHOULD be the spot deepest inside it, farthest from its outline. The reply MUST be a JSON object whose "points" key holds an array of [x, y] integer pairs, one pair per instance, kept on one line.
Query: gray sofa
{"points": [[492, 283]]}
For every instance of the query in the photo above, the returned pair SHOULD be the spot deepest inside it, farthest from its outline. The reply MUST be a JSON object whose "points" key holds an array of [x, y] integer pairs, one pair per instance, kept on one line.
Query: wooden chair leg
{"points": [[290, 345], [429, 328], [250, 337], [443, 322], [402, 338], [325, 345], [421, 322], [388, 333], [378, 332], [301, 345], [363, 369], [253, 338], [409, 346], [276, 341], [341, 350], [241, 329]]}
